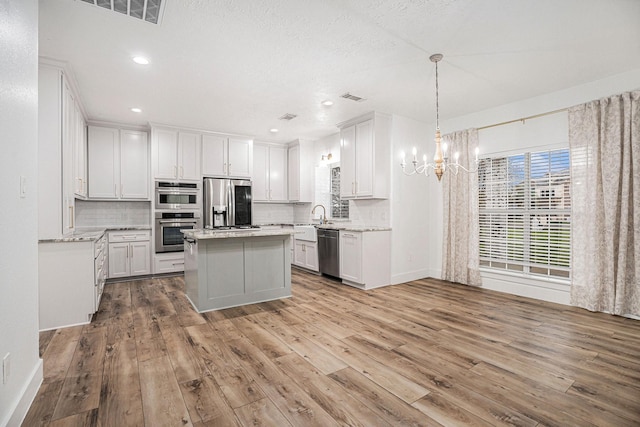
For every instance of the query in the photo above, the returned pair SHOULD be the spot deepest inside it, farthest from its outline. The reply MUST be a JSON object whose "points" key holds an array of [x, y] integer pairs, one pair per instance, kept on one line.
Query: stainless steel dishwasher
{"points": [[329, 252]]}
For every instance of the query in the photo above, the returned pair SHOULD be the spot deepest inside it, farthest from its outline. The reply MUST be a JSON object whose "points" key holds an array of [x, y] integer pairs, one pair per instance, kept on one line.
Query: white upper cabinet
{"points": [[226, 156], [80, 154], [68, 141], [240, 157], [214, 155], [134, 160], [301, 171], [60, 122], [269, 173], [104, 169], [118, 163], [165, 153], [364, 157], [188, 165], [176, 154]]}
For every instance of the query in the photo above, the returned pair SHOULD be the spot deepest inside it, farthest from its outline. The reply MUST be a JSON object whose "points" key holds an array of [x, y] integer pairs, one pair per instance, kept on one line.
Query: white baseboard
{"points": [[28, 394], [409, 276]]}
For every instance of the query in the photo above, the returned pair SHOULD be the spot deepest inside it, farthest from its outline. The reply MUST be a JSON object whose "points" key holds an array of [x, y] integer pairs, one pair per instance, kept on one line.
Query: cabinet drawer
{"points": [[169, 264], [128, 236]]}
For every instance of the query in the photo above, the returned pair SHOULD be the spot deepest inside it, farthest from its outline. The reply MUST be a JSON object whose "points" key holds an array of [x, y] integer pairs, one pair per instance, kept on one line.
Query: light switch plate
{"points": [[6, 368], [23, 186]]}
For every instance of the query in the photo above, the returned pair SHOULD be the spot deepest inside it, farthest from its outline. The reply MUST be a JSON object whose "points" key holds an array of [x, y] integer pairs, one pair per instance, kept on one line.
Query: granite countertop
{"points": [[352, 227], [91, 234], [200, 234]]}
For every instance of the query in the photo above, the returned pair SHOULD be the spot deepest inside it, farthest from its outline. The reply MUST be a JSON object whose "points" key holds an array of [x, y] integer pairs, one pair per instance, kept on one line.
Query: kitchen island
{"points": [[225, 269]]}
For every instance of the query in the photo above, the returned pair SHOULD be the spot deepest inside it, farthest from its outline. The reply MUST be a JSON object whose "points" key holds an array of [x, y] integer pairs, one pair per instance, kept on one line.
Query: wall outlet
{"points": [[6, 368]]}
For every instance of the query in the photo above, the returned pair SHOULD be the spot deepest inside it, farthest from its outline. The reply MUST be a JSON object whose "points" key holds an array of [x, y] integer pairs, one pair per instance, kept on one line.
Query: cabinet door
{"points": [[239, 157], [68, 140], [134, 172], [278, 174], [118, 260], [165, 154], [348, 162], [364, 159], [294, 173], [311, 256], [260, 187], [189, 156], [140, 258], [214, 155], [351, 256], [103, 146], [298, 253], [80, 155]]}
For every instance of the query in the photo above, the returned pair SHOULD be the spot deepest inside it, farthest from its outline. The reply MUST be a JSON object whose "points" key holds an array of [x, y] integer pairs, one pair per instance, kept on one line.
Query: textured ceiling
{"points": [[236, 66]]}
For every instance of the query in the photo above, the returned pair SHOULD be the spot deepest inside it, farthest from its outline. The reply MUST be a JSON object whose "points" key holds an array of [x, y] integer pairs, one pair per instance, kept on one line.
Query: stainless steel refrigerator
{"points": [[226, 203]]}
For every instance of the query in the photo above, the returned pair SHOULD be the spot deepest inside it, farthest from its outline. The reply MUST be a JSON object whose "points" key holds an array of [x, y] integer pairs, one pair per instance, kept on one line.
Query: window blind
{"points": [[525, 213]]}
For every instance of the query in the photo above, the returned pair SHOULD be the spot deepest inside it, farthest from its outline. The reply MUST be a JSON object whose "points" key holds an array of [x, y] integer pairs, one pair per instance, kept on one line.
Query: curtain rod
{"points": [[535, 116]]}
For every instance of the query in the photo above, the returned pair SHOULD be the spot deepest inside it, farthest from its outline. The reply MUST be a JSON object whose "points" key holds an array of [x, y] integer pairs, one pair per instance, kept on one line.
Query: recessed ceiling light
{"points": [[273, 130], [327, 103], [136, 110], [140, 60]]}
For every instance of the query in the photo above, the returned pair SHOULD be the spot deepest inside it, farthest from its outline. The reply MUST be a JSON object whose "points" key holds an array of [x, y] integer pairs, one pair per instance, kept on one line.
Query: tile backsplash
{"points": [[272, 213], [370, 212], [117, 213]]}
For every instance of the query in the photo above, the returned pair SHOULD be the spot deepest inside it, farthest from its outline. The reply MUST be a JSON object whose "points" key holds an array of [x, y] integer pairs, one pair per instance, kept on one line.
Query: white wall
{"points": [[19, 250], [411, 203], [540, 133]]}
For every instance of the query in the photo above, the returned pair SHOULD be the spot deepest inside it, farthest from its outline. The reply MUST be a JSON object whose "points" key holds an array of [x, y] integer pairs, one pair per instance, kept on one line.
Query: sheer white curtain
{"points": [[604, 141], [460, 252]]}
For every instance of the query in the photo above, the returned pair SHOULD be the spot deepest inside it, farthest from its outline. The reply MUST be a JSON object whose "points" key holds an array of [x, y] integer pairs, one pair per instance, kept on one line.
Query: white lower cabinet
{"points": [[365, 258], [305, 254], [129, 253], [71, 278]]}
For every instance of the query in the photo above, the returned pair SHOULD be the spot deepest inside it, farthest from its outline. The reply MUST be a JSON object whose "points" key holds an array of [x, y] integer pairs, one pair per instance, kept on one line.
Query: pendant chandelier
{"points": [[440, 163]]}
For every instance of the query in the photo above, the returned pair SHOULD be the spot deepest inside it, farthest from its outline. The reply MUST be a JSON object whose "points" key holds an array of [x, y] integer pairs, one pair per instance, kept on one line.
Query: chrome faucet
{"points": [[323, 218]]}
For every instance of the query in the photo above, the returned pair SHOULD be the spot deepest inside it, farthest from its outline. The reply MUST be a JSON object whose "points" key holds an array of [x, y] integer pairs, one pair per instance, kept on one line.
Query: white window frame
{"points": [[524, 266]]}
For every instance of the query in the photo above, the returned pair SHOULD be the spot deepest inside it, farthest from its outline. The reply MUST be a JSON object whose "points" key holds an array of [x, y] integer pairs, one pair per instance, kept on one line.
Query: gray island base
{"points": [[225, 269]]}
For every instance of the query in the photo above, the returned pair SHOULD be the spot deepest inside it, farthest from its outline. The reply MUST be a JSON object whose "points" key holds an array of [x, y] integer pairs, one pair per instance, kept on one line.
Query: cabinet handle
{"points": [[229, 168], [353, 188], [304, 248], [356, 187], [121, 189], [71, 218], [181, 172], [175, 171], [348, 235], [115, 190], [224, 168]]}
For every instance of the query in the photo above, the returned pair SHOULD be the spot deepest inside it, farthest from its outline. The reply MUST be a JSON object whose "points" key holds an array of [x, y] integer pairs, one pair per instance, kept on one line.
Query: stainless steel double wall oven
{"points": [[178, 207]]}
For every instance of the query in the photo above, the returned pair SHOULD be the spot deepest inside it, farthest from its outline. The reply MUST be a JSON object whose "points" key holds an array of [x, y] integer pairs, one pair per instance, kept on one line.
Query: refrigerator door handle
{"points": [[231, 197]]}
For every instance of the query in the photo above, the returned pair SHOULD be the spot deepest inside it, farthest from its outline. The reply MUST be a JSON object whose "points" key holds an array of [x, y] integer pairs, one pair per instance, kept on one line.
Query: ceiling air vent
{"points": [[144, 10], [352, 97], [288, 116]]}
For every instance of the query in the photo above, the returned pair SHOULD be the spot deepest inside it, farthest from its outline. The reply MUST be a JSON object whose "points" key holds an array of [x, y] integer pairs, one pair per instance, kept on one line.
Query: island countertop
{"points": [[200, 234]]}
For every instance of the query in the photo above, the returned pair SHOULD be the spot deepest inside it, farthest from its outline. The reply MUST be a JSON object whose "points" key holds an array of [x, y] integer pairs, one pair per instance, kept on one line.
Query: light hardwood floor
{"points": [[422, 353]]}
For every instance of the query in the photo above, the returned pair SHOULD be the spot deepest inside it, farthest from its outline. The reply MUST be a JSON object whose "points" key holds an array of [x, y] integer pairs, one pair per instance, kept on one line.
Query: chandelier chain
{"points": [[437, 100]]}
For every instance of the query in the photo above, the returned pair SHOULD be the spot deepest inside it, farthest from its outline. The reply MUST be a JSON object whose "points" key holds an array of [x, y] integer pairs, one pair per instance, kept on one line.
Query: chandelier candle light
{"points": [[440, 164]]}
